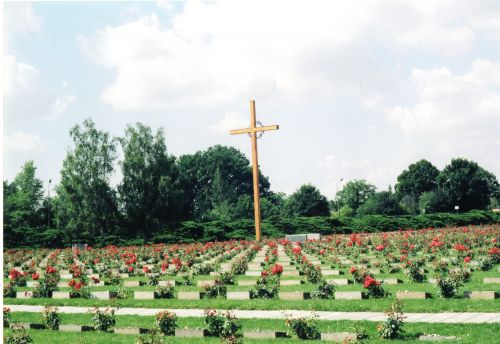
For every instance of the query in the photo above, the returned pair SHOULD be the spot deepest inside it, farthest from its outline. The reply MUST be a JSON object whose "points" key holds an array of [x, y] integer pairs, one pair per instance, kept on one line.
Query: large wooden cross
{"points": [[253, 131]]}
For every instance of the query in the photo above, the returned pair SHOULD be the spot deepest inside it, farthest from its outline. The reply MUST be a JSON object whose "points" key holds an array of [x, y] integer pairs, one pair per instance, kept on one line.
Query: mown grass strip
{"points": [[467, 333], [370, 305]]}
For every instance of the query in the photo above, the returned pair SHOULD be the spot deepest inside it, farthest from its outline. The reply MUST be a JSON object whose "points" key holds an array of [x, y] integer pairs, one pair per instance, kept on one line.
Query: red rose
{"points": [[277, 269], [467, 259], [369, 282], [380, 247], [35, 276], [50, 270], [494, 251]]}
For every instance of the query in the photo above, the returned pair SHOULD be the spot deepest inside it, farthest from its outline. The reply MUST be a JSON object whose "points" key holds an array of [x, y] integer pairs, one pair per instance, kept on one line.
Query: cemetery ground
{"points": [[450, 276]]}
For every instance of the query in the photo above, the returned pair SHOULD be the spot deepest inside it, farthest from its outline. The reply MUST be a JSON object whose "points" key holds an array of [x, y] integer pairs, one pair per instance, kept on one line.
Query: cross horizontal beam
{"points": [[254, 130]]}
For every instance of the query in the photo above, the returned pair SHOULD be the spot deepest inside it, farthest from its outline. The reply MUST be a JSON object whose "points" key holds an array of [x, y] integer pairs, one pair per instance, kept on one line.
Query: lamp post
{"points": [[338, 201], [48, 205]]}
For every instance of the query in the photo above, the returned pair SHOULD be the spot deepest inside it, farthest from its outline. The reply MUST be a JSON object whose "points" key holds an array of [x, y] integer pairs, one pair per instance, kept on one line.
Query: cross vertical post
{"points": [[255, 171], [253, 130]]}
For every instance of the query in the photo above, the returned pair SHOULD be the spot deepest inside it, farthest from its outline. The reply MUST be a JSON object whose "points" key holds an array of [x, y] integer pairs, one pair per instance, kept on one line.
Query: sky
{"points": [[360, 89]]}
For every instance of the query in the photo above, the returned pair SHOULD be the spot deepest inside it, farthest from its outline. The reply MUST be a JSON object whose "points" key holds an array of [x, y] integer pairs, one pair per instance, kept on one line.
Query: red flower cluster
{"points": [[50, 270], [436, 243], [277, 269], [380, 247], [296, 250], [76, 285], [146, 269], [353, 270], [460, 247], [467, 259], [369, 282], [494, 251], [35, 276], [14, 274]]}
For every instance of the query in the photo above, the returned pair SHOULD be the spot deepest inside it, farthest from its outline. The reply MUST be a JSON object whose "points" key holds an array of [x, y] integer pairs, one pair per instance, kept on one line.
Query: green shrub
{"points": [[47, 285], [392, 327], [9, 290], [223, 325], [313, 273], [103, 320], [166, 292], [166, 322], [449, 283], [414, 273], [324, 290], [302, 328], [6, 316], [51, 318], [19, 336], [152, 337], [266, 288], [153, 279], [211, 291], [226, 278]]}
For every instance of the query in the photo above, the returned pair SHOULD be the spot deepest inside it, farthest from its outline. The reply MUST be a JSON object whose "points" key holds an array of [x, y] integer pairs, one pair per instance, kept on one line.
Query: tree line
{"points": [[461, 186], [158, 191]]}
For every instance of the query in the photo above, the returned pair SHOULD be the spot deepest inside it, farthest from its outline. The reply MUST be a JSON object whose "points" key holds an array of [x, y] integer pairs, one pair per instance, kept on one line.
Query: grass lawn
{"points": [[374, 305], [435, 304], [468, 333]]}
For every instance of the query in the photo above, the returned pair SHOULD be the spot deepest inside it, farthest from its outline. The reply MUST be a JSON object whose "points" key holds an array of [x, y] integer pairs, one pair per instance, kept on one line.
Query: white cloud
{"points": [[229, 122], [61, 104], [26, 97], [20, 18], [218, 52], [445, 101], [166, 5], [449, 41], [21, 141], [17, 75]]}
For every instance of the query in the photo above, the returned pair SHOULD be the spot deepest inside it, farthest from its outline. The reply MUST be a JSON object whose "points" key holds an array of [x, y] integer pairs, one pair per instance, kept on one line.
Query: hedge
{"points": [[280, 226], [272, 227]]}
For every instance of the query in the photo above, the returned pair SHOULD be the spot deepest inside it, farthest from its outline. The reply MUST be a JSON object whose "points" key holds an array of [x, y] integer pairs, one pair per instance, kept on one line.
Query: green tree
{"points": [[418, 178], [434, 201], [381, 203], [215, 179], [307, 201], [22, 203], [467, 185], [355, 193], [271, 205], [149, 193], [86, 205]]}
